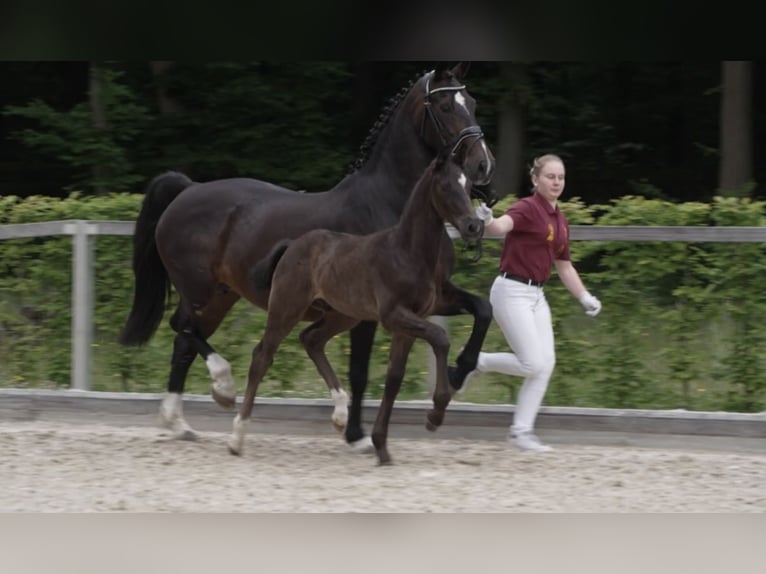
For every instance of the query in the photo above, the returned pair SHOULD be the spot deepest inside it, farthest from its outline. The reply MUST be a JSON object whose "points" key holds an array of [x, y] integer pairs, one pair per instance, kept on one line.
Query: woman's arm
{"points": [[492, 226], [570, 277], [571, 280]]}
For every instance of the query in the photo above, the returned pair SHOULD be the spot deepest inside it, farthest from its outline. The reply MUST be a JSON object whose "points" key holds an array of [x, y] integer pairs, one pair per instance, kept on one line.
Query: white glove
{"points": [[484, 213], [591, 305]]}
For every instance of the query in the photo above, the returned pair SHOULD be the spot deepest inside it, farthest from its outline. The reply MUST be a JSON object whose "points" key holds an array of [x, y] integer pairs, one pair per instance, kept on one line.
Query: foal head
{"points": [[450, 192], [447, 118]]}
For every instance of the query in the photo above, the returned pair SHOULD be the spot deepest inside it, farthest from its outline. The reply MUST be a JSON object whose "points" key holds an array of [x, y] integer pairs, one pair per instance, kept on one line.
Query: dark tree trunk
{"points": [[98, 115], [736, 140], [165, 102], [511, 141]]}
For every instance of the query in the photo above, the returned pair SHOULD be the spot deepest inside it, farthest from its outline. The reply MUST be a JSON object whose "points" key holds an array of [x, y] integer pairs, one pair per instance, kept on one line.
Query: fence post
{"points": [[82, 304]]}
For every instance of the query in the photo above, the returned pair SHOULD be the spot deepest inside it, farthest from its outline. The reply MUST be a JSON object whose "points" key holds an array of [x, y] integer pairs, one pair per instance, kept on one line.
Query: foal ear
{"points": [[461, 70], [443, 155]]}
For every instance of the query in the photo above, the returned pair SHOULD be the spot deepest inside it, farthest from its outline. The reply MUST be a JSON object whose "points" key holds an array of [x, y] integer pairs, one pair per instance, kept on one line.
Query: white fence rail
{"points": [[83, 233]]}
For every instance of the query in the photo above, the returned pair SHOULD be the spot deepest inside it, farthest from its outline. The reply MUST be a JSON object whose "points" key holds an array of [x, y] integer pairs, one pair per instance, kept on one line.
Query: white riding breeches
{"points": [[522, 313]]}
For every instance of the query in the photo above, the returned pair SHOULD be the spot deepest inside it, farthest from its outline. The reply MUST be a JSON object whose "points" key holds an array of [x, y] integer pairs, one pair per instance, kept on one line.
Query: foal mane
{"points": [[380, 123]]}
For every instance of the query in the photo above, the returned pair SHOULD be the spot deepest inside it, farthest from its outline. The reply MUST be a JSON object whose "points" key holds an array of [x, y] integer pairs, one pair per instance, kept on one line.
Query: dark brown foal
{"points": [[395, 277]]}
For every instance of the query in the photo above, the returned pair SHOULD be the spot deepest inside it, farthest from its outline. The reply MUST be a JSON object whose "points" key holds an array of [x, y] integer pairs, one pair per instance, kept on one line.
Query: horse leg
{"points": [[191, 330], [456, 301], [314, 338], [171, 408], [397, 362], [405, 322], [362, 337], [208, 319]]}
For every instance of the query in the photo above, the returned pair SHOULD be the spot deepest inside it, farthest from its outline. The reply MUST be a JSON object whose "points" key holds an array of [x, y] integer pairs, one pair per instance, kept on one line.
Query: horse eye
{"points": [[445, 107]]}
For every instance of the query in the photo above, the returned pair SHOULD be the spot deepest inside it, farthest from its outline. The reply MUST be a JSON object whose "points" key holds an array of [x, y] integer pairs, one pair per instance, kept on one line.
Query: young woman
{"points": [[536, 239]]}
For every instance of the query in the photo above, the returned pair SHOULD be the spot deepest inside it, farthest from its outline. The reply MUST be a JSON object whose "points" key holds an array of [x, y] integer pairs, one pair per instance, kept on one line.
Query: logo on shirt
{"points": [[550, 233]]}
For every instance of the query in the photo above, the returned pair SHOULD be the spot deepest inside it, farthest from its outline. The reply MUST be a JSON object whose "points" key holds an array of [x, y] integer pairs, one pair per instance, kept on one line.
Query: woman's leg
{"points": [[523, 315]]}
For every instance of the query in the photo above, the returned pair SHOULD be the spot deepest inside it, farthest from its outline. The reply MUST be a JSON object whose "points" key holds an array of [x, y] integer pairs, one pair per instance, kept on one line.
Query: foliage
{"points": [[682, 324], [98, 154]]}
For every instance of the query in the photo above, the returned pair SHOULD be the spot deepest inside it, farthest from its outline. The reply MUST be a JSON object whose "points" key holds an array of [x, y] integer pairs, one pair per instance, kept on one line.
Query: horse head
{"points": [[451, 191], [447, 118]]}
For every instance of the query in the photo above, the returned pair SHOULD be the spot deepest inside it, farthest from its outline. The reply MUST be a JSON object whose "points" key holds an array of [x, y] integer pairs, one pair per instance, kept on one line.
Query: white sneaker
{"points": [[528, 441]]}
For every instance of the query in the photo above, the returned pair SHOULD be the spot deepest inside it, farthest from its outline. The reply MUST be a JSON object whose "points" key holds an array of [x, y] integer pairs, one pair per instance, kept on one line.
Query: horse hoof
{"points": [[185, 434], [226, 401], [362, 446], [430, 426], [339, 427]]}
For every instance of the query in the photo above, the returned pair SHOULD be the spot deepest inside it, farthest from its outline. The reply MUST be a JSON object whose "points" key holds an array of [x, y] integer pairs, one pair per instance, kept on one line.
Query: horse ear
{"points": [[461, 70], [441, 70]]}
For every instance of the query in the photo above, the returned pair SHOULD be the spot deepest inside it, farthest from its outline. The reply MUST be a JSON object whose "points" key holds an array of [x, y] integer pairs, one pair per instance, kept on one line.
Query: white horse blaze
{"points": [[460, 99], [462, 180], [340, 414], [220, 371]]}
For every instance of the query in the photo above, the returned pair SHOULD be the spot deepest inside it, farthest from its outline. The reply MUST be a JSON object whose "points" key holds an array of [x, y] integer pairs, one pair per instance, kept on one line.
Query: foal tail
{"points": [[262, 273], [152, 288]]}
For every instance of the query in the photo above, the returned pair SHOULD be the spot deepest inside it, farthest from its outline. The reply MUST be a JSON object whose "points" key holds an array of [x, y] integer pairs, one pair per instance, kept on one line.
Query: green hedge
{"points": [[682, 324]]}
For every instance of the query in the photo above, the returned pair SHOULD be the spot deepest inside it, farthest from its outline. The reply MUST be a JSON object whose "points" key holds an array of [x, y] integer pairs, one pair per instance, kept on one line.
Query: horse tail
{"points": [[263, 272], [152, 286]]}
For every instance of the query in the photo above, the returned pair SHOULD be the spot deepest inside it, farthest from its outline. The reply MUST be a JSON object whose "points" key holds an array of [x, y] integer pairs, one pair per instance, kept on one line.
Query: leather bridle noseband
{"points": [[469, 132]]}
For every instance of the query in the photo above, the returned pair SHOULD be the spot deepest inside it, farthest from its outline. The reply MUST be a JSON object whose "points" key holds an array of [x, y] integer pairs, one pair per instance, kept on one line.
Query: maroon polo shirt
{"points": [[540, 235]]}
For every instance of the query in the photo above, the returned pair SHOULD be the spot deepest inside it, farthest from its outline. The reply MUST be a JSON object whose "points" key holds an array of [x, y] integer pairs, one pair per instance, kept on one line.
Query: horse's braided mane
{"points": [[383, 117]]}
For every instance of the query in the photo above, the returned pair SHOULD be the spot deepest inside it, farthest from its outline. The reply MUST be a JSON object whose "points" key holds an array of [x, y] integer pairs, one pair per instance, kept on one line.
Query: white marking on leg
{"points": [[340, 413], [362, 446], [172, 417], [237, 439], [220, 371]]}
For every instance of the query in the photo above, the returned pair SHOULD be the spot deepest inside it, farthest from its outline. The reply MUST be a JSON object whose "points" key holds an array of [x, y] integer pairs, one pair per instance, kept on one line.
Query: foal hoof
{"points": [[433, 421], [234, 448], [384, 459], [228, 402]]}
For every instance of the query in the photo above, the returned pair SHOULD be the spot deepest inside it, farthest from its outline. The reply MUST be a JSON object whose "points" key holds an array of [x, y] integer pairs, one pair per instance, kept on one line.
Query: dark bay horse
{"points": [[395, 277], [204, 237]]}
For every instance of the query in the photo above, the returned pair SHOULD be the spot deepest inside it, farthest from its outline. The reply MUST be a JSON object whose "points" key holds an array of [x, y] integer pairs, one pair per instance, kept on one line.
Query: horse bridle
{"points": [[474, 131], [469, 132]]}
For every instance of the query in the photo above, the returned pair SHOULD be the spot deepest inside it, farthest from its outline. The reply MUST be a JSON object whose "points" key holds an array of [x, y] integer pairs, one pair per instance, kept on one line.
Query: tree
{"points": [[735, 174], [94, 137]]}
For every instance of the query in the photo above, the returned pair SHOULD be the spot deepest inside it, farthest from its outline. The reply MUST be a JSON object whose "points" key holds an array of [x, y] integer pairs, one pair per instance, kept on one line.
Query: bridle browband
{"points": [[469, 132]]}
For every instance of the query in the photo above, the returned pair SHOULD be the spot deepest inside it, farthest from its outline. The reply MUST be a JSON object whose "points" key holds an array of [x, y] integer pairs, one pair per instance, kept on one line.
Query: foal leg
{"points": [[456, 301], [406, 322], [314, 338], [397, 363], [278, 325], [362, 337]]}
